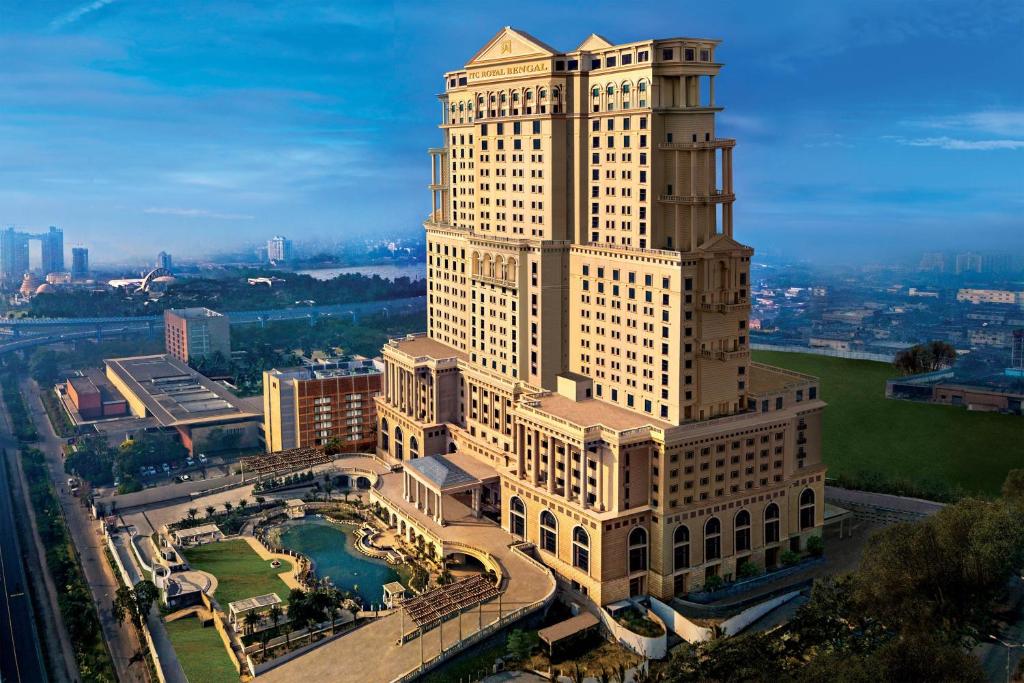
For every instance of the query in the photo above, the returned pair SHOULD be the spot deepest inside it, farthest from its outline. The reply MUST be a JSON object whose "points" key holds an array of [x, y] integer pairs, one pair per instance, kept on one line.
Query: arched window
{"points": [[414, 447], [543, 93], [504, 97], [548, 532], [596, 92], [385, 437], [517, 517], [642, 86], [625, 88], [681, 547], [611, 89], [462, 106], [712, 539], [742, 530], [515, 97], [637, 550], [581, 549], [807, 509], [771, 523], [399, 443]]}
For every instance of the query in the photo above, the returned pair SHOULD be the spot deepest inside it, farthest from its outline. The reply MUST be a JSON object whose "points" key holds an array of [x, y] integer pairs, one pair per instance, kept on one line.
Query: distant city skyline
{"points": [[200, 127]]}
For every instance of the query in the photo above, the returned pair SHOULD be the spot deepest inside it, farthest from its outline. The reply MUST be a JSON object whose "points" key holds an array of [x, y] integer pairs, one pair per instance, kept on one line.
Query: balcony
{"points": [[724, 355], [741, 304], [717, 197], [717, 143]]}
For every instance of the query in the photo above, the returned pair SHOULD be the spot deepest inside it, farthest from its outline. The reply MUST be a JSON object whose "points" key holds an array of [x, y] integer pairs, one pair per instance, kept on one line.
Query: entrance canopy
{"points": [[428, 480]]}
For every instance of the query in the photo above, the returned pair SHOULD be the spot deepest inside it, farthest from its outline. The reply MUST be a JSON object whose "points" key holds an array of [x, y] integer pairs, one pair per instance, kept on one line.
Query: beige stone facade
{"points": [[587, 322]]}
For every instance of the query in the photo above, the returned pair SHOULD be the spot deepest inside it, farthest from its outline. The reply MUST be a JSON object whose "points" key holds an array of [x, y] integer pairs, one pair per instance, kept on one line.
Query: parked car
{"points": [[184, 477]]}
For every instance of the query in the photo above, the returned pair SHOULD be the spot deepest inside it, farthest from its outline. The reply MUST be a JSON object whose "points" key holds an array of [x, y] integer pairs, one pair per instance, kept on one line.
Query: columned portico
{"points": [[426, 482]]}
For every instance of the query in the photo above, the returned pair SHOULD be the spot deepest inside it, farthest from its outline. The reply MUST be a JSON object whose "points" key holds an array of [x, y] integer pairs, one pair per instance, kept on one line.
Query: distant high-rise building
{"points": [[79, 262], [196, 332], [53, 250], [968, 263], [164, 260], [261, 253], [933, 261], [279, 249], [1017, 352], [13, 255]]}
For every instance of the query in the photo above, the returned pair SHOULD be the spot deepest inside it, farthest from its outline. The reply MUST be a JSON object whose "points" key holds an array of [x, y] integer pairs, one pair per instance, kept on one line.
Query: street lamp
{"points": [[1008, 646]]}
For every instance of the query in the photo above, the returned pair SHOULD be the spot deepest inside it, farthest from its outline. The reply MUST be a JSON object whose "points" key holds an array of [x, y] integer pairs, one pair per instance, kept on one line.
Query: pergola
{"points": [[427, 480], [435, 605]]}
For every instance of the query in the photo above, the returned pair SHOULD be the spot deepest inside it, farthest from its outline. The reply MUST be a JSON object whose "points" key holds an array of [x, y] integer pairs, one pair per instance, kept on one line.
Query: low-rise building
{"points": [[95, 400], [324, 402], [990, 296], [205, 414]]}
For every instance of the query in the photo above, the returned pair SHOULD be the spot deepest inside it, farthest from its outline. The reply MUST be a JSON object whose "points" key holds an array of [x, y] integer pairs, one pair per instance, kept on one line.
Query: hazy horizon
{"points": [[865, 130]]}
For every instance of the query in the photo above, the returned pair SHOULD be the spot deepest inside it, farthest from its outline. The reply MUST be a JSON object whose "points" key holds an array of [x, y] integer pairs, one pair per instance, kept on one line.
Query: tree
{"points": [[146, 594], [192, 512], [228, 506], [242, 503], [135, 603], [124, 606], [935, 355], [210, 510], [251, 621], [1013, 489], [43, 367], [520, 644]]}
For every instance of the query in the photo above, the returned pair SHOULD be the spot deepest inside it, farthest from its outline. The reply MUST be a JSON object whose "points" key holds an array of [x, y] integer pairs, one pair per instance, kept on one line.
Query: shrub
{"points": [[747, 570], [789, 558], [815, 546], [713, 583]]}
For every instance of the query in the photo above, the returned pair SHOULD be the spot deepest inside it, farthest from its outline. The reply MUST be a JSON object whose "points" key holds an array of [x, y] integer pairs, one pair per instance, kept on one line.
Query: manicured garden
{"points": [[201, 652], [240, 572], [922, 449]]}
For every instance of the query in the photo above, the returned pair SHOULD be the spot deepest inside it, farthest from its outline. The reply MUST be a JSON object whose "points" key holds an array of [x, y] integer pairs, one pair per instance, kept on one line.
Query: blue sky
{"points": [[866, 129]]}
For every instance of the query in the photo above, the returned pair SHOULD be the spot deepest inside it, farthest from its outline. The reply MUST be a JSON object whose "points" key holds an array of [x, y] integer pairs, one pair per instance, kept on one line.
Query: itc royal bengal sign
{"points": [[509, 71]]}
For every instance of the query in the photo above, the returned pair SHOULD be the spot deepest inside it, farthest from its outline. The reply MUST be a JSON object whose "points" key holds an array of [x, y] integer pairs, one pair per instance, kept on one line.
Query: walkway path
{"points": [[290, 577]]}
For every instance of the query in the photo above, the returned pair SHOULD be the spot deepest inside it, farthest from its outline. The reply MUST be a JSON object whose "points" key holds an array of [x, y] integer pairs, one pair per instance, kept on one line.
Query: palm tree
{"points": [[192, 512], [228, 506], [250, 621], [242, 503], [210, 510]]}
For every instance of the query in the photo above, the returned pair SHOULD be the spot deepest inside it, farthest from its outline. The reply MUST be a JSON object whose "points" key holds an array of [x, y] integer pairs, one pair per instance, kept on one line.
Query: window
{"points": [[807, 509], [712, 539], [384, 435], [681, 548], [581, 549], [548, 532], [517, 517], [742, 531], [771, 523], [637, 550]]}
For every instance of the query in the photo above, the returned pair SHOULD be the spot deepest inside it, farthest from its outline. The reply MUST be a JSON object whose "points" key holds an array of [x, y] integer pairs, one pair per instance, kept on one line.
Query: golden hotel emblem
{"points": [[506, 47]]}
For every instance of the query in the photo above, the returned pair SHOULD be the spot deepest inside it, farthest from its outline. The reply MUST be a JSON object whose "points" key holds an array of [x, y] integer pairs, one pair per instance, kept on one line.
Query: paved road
{"points": [[20, 651], [85, 532]]}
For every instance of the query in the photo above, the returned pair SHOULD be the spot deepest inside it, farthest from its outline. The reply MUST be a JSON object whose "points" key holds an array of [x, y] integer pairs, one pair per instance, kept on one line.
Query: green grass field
{"points": [[201, 652], [935, 446], [239, 570]]}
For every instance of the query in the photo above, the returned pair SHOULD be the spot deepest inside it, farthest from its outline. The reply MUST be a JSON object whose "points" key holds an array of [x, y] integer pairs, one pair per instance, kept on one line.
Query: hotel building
{"points": [[587, 334], [191, 333], [324, 402]]}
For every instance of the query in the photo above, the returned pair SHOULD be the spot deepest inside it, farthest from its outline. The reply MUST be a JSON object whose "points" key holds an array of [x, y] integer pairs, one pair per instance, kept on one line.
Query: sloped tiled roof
{"points": [[441, 471]]}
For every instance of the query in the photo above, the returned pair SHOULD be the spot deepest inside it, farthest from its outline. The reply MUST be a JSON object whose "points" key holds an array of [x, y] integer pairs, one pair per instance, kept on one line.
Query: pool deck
{"points": [[526, 583]]}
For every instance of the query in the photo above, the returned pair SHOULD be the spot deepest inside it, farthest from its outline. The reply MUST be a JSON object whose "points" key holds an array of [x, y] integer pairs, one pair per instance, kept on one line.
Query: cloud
{"points": [[994, 122], [76, 14], [197, 213], [945, 142]]}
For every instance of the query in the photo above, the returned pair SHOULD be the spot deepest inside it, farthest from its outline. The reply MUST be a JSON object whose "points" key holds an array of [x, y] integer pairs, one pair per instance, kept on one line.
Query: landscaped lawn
{"points": [[201, 652], [239, 570], [936, 446]]}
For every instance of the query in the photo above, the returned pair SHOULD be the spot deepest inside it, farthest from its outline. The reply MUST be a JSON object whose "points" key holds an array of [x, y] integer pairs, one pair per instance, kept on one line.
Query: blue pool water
{"points": [[330, 548]]}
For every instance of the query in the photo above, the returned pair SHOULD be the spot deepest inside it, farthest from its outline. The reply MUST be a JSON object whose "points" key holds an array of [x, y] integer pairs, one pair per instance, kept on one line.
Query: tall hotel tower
{"points": [[587, 341]]}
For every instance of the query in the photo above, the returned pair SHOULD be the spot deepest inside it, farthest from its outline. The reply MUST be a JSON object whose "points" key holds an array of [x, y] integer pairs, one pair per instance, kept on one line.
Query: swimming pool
{"points": [[330, 546]]}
